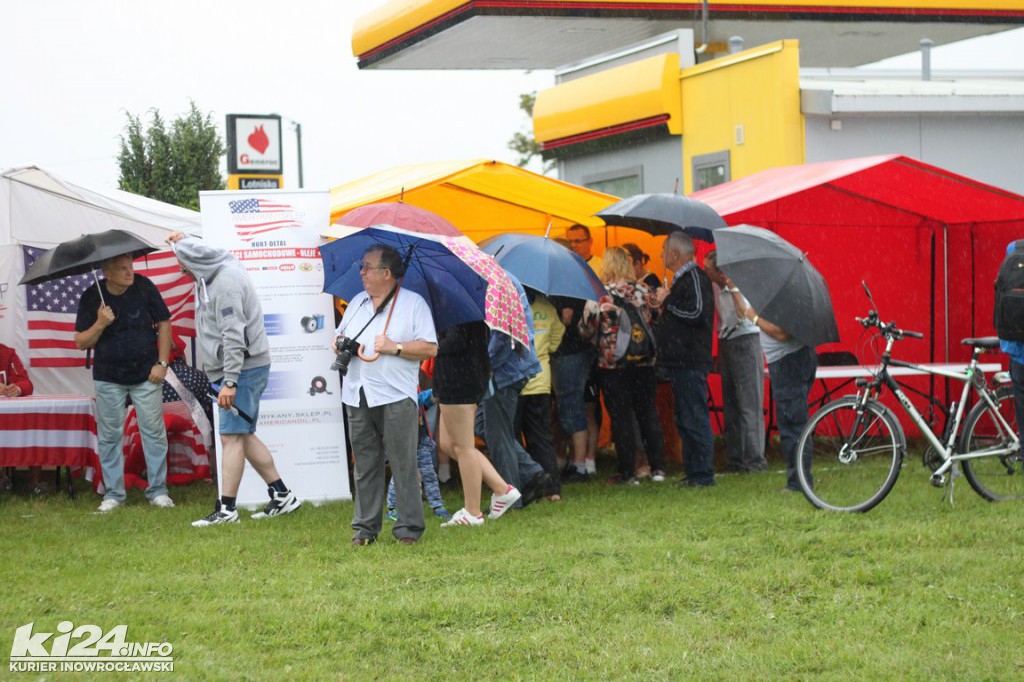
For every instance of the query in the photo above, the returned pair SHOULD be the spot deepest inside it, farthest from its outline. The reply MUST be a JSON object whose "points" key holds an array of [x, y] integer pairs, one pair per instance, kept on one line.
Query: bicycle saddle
{"points": [[990, 342]]}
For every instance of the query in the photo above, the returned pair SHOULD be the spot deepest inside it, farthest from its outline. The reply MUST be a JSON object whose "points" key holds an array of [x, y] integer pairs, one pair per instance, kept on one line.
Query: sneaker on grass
{"points": [[464, 518], [280, 503], [219, 515], [502, 503], [108, 505], [162, 501], [391, 516], [442, 513]]}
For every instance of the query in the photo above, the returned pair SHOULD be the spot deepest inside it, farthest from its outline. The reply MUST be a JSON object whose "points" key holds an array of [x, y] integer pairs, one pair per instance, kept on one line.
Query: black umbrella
{"points": [[779, 281], [84, 254], [664, 214]]}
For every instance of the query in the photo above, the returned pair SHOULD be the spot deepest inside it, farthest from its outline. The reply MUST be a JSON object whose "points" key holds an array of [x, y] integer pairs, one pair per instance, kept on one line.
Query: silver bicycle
{"points": [[852, 450]]}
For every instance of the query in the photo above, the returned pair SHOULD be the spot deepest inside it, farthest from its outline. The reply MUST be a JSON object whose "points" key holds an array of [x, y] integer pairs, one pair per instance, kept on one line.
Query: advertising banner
{"points": [[275, 235]]}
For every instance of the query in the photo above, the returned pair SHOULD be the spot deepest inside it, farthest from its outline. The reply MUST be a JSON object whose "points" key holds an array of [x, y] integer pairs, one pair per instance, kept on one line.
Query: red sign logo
{"points": [[258, 140]]}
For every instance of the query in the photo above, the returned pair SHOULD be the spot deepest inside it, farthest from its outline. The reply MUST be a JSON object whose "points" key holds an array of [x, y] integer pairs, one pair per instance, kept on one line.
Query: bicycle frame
{"points": [[970, 377]]}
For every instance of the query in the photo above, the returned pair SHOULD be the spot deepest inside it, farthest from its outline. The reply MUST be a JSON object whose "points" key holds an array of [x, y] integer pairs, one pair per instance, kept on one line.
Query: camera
{"points": [[346, 347]]}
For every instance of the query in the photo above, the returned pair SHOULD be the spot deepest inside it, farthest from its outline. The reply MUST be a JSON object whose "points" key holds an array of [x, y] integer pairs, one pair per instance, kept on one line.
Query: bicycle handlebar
{"points": [[890, 330]]}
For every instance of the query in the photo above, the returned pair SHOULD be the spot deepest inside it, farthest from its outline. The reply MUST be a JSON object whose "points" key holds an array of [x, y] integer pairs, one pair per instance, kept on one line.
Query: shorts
{"points": [[462, 368], [569, 374], [251, 384]]}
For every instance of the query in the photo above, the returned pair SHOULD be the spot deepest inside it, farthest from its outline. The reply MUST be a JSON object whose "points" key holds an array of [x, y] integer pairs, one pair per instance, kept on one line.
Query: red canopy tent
{"points": [[928, 242]]}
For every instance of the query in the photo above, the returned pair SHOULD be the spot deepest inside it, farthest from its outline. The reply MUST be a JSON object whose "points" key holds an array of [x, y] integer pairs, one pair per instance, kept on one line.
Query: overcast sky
{"points": [[72, 69]]}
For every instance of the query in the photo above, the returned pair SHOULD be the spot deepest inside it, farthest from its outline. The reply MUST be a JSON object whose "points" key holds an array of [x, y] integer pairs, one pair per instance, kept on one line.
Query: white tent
{"points": [[38, 208]]}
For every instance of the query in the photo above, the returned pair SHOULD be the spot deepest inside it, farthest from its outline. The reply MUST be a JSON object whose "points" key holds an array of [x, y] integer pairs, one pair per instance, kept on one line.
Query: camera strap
{"points": [[383, 305]]}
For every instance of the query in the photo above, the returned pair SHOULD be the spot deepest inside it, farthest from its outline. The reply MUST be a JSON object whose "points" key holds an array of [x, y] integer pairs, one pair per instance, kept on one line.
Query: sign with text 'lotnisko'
{"points": [[254, 145]]}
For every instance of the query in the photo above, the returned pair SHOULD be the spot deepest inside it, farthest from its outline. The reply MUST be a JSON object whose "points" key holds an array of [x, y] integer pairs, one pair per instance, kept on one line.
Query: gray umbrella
{"points": [[779, 281], [664, 214]]}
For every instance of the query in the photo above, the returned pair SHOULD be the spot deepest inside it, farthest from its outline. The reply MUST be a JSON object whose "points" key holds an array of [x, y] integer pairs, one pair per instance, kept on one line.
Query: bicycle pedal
{"points": [[937, 481]]}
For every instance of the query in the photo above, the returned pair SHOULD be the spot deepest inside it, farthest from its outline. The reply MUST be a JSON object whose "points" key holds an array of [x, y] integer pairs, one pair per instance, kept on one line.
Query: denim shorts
{"points": [[569, 374], [251, 384]]}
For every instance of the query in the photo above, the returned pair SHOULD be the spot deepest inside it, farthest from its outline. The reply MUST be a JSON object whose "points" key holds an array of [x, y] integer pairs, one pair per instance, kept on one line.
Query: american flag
{"points": [[254, 217], [52, 307]]}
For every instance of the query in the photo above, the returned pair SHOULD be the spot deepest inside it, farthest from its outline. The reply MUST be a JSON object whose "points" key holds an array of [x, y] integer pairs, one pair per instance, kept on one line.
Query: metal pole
{"points": [[298, 144]]}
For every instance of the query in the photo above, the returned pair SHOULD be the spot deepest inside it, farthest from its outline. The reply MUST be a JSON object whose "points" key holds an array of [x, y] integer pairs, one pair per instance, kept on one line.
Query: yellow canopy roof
{"points": [[480, 197]]}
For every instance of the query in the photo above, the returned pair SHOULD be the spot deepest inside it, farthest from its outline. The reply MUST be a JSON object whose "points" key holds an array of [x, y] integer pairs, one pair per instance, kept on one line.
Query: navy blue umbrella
{"points": [[545, 265], [458, 281]]}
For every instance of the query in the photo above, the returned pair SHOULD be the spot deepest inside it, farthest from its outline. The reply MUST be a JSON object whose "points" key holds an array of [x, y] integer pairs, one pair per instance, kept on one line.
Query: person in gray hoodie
{"points": [[234, 351]]}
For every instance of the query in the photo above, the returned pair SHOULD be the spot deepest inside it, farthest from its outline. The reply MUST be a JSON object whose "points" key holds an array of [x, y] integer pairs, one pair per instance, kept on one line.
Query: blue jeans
{"points": [[1017, 378], [791, 378], [428, 474], [569, 377], [110, 414], [690, 389]]}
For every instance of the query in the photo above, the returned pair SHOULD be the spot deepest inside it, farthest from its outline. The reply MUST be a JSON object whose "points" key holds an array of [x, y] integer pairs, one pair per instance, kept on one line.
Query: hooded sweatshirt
{"points": [[229, 317]]}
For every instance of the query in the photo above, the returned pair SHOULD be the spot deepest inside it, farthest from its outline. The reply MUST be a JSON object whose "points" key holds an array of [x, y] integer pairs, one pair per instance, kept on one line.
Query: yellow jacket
{"points": [[548, 331]]}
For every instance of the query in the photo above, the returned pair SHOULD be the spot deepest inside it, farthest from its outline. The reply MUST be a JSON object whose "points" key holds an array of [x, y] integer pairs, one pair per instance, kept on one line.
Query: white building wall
{"points": [[984, 147]]}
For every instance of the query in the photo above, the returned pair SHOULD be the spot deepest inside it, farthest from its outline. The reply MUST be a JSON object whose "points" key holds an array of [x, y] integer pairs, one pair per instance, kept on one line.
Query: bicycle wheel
{"points": [[849, 459], [995, 477]]}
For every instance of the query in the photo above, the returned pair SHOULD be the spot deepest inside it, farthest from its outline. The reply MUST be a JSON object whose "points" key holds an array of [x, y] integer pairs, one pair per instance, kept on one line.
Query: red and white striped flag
{"points": [[53, 306]]}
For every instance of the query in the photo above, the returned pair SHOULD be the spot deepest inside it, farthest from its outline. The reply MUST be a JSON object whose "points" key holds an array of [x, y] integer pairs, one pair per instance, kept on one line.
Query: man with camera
{"points": [[383, 336]]}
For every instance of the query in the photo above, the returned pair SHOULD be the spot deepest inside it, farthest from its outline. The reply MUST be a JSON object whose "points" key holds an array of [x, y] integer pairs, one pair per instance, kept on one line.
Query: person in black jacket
{"points": [[684, 332]]}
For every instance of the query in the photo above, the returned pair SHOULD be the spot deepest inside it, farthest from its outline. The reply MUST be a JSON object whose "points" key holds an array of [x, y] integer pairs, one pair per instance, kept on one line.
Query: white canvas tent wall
{"points": [[38, 208]]}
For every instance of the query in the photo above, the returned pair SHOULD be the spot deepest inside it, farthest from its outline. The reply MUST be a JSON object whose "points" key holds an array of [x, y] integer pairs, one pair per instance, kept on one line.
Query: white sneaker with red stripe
{"points": [[502, 503], [463, 518]]}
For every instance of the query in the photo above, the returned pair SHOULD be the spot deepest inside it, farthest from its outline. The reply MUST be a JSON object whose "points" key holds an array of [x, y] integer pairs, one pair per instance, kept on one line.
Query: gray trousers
{"points": [[507, 453], [742, 366], [374, 431]]}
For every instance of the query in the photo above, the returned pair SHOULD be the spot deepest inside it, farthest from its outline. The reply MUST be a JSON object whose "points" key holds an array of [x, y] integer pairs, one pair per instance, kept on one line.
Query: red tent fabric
{"points": [[928, 242]]}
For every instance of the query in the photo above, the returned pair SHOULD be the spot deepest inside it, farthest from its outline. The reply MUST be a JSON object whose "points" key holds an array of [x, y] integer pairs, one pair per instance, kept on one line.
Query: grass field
{"points": [[737, 582]]}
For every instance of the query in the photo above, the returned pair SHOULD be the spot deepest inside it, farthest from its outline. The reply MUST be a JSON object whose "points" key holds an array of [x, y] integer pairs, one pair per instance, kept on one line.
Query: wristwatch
{"points": [[163, 364], [230, 384], [398, 349]]}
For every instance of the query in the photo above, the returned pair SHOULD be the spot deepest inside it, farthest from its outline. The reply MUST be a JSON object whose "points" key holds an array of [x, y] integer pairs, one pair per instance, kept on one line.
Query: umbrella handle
{"points": [[394, 300]]}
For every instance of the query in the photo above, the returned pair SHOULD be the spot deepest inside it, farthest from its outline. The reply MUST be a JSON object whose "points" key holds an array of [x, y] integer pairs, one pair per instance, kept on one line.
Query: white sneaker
{"points": [[657, 476], [162, 501], [108, 505], [591, 466], [463, 518], [219, 515], [502, 503], [280, 503]]}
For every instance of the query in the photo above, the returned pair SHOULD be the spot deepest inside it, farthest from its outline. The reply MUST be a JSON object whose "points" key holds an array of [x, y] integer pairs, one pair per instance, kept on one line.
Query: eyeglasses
{"points": [[364, 266], [579, 241]]}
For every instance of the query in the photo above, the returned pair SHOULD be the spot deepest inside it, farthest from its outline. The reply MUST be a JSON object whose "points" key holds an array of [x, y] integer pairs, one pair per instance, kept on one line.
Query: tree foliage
{"points": [[172, 164], [523, 143]]}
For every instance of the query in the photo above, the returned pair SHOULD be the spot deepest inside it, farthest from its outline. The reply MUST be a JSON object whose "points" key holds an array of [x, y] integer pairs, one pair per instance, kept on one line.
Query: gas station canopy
{"points": [[540, 34]]}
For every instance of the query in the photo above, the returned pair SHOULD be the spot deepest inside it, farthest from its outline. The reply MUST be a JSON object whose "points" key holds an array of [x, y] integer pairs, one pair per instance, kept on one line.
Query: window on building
{"points": [[710, 170], [621, 183]]}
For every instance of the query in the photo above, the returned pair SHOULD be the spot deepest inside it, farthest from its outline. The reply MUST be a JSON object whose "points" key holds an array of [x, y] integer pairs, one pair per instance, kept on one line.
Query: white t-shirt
{"points": [[389, 378]]}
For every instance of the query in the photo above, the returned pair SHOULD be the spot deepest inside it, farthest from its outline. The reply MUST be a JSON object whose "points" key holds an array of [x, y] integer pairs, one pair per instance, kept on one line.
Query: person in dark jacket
{"points": [[684, 332]]}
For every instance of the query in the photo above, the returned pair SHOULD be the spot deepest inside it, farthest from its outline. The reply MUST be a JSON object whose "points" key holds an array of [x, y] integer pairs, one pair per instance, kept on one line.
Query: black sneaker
{"points": [[219, 515], [574, 475], [280, 503]]}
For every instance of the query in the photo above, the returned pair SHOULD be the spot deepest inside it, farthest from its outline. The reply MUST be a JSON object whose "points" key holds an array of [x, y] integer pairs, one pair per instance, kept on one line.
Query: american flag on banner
{"points": [[52, 307], [253, 217]]}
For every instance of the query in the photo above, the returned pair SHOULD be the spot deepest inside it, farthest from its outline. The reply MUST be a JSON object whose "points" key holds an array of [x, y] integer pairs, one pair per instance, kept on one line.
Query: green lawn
{"points": [[737, 582]]}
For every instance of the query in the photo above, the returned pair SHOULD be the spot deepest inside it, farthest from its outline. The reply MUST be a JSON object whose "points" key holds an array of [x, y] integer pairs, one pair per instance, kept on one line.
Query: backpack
{"points": [[1008, 313], [635, 343]]}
